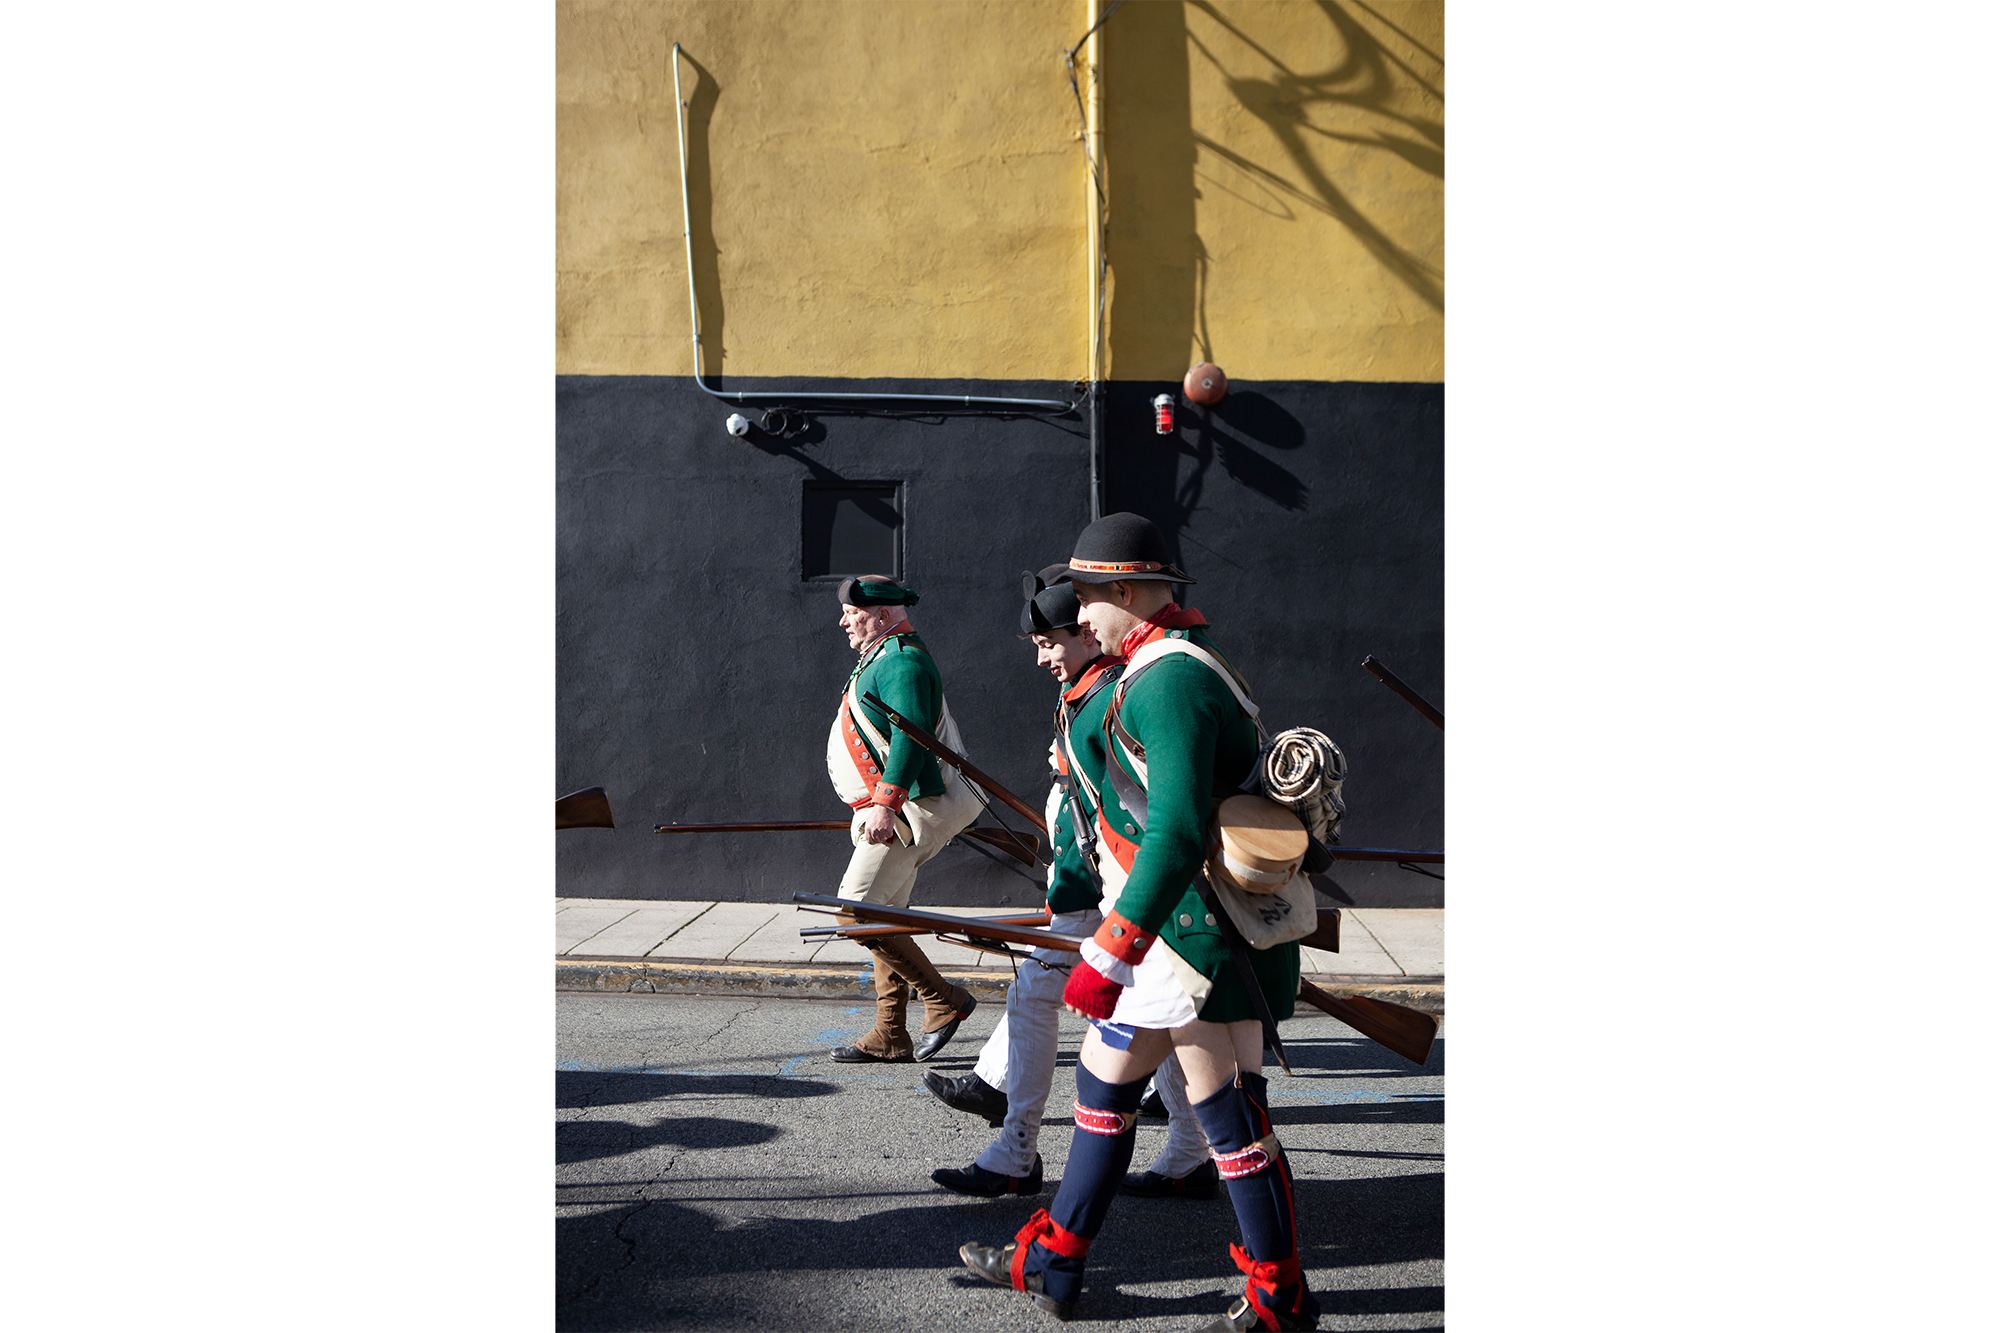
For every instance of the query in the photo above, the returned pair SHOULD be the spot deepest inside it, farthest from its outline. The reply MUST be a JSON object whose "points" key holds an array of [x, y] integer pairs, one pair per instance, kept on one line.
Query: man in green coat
{"points": [[906, 807], [1009, 1085], [1158, 976]]}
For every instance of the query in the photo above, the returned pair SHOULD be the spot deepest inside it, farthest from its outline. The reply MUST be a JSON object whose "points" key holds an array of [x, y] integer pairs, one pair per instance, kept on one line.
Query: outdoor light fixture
{"points": [[1205, 384], [1163, 414]]}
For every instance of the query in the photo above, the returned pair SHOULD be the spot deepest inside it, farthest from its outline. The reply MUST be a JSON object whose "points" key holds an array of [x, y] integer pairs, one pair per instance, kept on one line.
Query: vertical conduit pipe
{"points": [[1093, 153]]}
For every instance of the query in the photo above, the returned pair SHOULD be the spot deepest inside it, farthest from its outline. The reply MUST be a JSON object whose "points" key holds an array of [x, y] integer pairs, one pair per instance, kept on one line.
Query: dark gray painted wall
{"points": [[696, 674]]}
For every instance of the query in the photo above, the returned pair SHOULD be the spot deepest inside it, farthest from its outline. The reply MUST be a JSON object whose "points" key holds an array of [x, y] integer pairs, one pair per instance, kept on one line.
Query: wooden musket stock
{"points": [[945, 753], [588, 808], [1408, 1032]]}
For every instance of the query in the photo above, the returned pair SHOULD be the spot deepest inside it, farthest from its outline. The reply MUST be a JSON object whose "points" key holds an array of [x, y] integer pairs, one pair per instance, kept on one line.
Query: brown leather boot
{"points": [[890, 1038], [945, 1005]]}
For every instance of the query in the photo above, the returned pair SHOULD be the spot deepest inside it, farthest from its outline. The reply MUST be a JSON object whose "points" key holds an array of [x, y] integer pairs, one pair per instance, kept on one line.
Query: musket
{"points": [[926, 741], [1006, 841], [940, 923], [876, 932], [588, 808], [1404, 692], [1406, 1031]]}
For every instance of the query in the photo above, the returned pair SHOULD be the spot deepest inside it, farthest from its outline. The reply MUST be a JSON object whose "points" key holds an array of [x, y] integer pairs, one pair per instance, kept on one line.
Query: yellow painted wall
{"points": [[881, 189], [894, 188]]}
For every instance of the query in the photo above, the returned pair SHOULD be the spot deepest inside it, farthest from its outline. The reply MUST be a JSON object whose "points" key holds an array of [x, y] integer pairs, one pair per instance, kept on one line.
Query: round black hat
{"points": [[1052, 608], [1122, 547]]}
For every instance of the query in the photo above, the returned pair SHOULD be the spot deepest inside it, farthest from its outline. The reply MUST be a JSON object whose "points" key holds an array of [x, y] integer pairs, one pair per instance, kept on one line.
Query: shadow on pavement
{"points": [[660, 1264]]}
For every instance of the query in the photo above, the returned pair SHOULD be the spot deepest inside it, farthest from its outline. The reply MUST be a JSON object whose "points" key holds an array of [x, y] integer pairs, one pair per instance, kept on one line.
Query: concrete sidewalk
{"points": [[625, 944]]}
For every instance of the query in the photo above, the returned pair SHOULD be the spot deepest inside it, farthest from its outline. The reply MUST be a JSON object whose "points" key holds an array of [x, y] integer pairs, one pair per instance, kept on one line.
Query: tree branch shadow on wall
{"points": [[1365, 80]]}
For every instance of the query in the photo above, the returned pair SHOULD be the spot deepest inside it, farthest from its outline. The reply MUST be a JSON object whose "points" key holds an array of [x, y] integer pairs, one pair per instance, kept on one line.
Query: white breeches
{"points": [[886, 874]]}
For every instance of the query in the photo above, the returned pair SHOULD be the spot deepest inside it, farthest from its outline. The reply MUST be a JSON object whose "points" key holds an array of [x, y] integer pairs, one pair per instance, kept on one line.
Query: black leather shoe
{"points": [[854, 1055], [995, 1263], [976, 1179], [932, 1042], [971, 1094], [1204, 1182], [1153, 1108], [1241, 1317]]}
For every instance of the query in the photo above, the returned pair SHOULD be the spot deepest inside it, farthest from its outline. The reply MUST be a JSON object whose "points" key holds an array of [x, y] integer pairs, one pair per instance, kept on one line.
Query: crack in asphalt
{"points": [[744, 1009]]}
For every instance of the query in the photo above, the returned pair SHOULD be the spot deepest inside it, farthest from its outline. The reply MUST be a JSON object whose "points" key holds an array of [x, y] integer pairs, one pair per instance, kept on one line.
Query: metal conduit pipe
{"points": [[694, 320]]}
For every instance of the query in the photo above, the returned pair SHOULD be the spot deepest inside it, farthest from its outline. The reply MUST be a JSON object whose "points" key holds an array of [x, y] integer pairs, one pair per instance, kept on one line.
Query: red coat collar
{"points": [[1156, 626], [1089, 678]]}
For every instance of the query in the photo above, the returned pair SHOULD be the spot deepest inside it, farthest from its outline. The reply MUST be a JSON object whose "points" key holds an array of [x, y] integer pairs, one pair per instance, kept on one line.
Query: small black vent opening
{"points": [[853, 527]]}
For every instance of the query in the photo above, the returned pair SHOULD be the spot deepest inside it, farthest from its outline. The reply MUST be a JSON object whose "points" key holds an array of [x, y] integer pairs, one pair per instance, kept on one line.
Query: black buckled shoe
{"points": [[932, 1042], [854, 1055], [1204, 1182], [995, 1263], [1241, 1317], [976, 1179], [1152, 1108], [971, 1094]]}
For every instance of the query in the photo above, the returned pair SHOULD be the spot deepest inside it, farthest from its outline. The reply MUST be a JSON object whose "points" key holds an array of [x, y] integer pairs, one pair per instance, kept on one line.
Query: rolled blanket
{"points": [[1303, 769]]}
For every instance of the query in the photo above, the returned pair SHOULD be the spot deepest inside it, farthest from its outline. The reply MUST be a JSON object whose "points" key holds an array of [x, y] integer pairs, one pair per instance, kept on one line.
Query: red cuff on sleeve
{"points": [[889, 794], [1123, 940]]}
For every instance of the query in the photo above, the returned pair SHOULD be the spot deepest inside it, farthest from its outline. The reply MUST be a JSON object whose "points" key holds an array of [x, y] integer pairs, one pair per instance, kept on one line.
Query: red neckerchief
{"points": [[1156, 626], [1089, 676]]}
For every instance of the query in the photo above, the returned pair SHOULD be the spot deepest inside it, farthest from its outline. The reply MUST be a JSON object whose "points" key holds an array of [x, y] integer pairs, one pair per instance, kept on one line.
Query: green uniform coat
{"points": [[901, 673], [1198, 745], [1073, 885]]}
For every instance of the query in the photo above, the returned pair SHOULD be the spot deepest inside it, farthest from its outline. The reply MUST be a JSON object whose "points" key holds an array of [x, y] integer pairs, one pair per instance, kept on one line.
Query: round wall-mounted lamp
{"points": [[1205, 384]]}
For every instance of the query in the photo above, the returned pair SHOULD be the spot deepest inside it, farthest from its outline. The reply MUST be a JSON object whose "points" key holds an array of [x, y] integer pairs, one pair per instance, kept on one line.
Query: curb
{"points": [[780, 980]]}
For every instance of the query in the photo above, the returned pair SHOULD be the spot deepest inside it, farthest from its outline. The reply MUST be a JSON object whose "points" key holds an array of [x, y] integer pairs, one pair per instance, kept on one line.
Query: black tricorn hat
{"points": [[1054, 607], [1034, 583], [1122, 547], [874, 590]]}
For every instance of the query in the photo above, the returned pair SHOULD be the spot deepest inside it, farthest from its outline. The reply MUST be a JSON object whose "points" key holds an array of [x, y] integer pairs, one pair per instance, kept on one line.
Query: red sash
{"points": [[857, 750]]}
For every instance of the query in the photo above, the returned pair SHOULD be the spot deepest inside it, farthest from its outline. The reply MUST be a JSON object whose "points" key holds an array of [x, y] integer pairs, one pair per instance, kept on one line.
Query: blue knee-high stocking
{"points": [[1237, 1121], [1099, 1152]]}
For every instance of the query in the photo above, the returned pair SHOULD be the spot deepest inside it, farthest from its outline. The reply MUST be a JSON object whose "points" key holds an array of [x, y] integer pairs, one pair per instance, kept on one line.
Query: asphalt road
{"points": [[716, 1171]]}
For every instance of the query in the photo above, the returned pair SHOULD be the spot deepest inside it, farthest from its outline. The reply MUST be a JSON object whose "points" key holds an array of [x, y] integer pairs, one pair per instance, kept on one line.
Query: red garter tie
{"points": [[1099, 1122], [1245, 1161], [1043, 1230]]}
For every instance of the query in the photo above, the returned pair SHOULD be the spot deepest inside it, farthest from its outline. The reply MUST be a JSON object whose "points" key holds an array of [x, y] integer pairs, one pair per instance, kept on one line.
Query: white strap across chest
{"points": [[1159, 648]]}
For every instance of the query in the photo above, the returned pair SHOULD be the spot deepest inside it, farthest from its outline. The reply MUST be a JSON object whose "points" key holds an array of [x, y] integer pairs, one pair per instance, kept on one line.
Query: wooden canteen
{"points": [[1262, 844]]}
